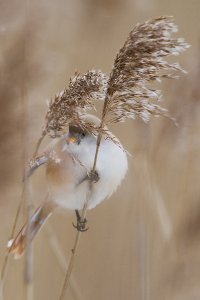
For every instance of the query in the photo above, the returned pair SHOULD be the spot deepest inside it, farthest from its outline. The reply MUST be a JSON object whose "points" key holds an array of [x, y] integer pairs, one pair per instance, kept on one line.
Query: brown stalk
{"points": [[84, 210], [39, 143], [83, 216], [24, 126], [28, 278], [127, 95], [97, 84], [19, 207], [62, 260], [5, 262]]}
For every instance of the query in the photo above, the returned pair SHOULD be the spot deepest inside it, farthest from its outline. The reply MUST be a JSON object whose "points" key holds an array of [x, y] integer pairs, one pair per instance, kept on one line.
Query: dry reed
{"points": [[138, 62], [127, 93]]}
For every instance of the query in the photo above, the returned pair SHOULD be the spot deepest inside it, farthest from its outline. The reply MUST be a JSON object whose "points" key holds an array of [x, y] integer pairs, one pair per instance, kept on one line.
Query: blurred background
{"points": [[144, 243]]}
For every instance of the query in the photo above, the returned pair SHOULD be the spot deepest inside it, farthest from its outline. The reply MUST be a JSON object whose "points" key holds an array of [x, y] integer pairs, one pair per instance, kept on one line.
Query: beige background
{"points": [[143, 243]]}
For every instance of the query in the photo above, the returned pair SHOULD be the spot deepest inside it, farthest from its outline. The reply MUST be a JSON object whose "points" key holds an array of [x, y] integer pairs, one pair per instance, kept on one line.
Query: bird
{"points": [[68, 161]]}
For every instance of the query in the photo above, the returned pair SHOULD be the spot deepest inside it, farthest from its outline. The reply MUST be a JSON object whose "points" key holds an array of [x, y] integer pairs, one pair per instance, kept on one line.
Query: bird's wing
{"points": [[35, 163], [17, 246]]}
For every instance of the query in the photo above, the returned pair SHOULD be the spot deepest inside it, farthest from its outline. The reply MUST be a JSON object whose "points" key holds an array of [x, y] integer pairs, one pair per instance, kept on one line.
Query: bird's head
{"points": [[78, 136]]}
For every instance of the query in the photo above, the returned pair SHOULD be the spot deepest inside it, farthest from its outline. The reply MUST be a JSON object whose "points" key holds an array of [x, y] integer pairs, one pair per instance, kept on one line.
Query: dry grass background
{"points": [[144, 243]]}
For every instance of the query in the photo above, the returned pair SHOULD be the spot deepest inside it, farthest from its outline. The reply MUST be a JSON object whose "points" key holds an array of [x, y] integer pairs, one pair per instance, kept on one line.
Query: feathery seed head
{"points": [[141, 61]]}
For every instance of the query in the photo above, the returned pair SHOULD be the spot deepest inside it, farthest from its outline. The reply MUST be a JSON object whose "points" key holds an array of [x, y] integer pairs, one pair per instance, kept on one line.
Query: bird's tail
{"points": [[17, 246]]}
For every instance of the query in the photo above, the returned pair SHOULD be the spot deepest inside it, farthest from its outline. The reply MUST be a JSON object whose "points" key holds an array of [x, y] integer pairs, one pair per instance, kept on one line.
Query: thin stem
{"points": [[74, 250], [29, 255], [83, 215], [97, 149], [28, 270], [5, 262], [70, 266], [62, 260], [39, 143]]}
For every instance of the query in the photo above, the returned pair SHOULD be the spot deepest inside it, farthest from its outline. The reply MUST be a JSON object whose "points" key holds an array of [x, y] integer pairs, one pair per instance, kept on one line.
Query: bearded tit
{"points": [[67, 161]]}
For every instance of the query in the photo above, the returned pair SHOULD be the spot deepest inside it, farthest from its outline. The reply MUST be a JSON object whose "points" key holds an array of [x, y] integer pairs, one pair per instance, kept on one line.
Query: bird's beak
{"points": [[71, 139]]}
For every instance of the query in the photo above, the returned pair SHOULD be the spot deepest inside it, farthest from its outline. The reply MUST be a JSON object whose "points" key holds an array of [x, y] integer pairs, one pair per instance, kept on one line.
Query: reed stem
{"points": [[83, 216]]}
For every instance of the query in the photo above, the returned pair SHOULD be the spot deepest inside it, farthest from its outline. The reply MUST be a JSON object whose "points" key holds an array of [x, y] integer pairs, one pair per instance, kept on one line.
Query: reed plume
{"points": [[70, 104], [139, 63], [128, 92]]}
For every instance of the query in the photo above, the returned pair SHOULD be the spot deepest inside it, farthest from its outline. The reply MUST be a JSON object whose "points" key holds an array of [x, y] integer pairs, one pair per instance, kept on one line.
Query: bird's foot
{"points": [[81, 224], [93, 176]]}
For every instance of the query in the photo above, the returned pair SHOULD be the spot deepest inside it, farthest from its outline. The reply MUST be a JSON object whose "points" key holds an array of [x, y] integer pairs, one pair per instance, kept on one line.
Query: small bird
{"points": [[69, 161]]}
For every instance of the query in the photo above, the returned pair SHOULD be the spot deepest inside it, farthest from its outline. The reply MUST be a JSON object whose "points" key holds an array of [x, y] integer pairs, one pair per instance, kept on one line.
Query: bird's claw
{"points": [[93, 176], [81, 224]]}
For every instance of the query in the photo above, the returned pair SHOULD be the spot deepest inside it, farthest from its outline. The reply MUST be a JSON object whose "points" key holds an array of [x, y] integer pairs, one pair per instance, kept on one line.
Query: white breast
{"points": [[111, 167]]}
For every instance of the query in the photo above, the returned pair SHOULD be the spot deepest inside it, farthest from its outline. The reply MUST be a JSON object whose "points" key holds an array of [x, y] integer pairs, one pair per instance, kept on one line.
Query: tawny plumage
{"points": [[68, 163], [41, 214], [127, 93]]}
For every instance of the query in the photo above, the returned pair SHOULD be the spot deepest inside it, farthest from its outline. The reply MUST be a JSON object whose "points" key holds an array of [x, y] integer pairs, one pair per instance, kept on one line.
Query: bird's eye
{"points": [[82, 134]]}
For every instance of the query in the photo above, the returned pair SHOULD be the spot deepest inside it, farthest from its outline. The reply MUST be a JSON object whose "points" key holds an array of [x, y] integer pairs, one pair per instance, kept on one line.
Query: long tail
{"points": [[18, 245]]}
